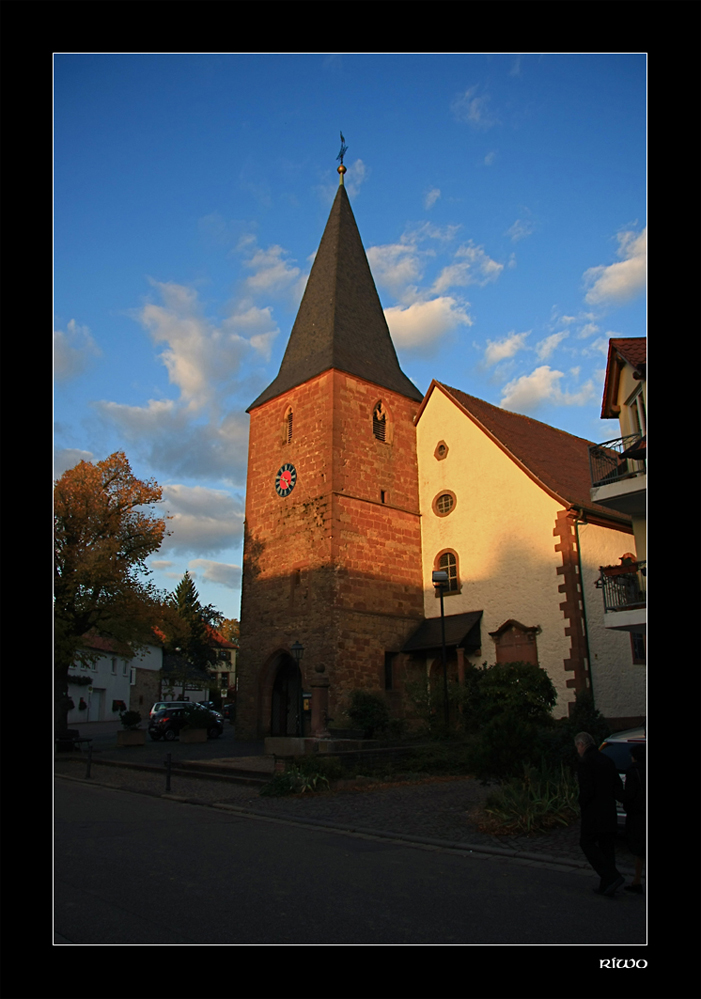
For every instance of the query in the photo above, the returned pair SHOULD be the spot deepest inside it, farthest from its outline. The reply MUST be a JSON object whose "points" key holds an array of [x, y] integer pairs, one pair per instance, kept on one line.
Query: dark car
{"points": [[167, 723], [617, 746], [159, 705]]}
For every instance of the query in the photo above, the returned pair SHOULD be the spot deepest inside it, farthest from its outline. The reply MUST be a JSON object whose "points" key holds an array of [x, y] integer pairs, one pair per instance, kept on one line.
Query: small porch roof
{"points": [[461, 631]]}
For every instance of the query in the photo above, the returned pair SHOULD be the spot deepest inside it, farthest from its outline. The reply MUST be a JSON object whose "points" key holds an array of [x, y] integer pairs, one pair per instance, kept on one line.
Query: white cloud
{"points": [[545, 347], [271, 273], [524, 394], [431, 198], [618, 283], [471, 266], [473, 109], [216, 572], [69, 457], [587, 330], [422, 323], [201, 358], [520, 229], [357, 174], [73, 350], [499, 350], [396, 266], [206, 521], [163, 434], [489, 158]]}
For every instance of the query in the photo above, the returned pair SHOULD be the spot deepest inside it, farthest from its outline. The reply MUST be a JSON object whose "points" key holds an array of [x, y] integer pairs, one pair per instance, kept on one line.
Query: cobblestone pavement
{"points": [[434, 809]]}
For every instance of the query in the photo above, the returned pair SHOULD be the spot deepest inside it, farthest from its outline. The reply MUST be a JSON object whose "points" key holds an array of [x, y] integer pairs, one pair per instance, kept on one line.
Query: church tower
{"points": [[332, 550]]}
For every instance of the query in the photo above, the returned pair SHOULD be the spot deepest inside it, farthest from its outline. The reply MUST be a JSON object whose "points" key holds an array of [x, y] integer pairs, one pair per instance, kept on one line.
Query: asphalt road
{"points": [[133, 869]]}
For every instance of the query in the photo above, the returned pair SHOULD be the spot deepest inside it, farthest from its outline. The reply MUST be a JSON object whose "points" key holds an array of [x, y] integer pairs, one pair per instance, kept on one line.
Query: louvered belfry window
{"points": [[288, 426], [379, 422]]}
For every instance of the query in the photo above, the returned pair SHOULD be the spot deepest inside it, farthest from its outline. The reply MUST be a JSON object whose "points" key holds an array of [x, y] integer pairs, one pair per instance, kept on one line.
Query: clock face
{"points": [[285, 480]]}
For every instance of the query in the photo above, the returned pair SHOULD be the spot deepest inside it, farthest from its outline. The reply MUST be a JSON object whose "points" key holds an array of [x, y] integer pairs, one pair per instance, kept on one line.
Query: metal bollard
{"points": [[167, 763]]}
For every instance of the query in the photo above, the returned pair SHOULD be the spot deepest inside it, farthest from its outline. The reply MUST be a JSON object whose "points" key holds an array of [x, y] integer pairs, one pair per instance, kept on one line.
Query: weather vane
{"points": [[344, 150]]}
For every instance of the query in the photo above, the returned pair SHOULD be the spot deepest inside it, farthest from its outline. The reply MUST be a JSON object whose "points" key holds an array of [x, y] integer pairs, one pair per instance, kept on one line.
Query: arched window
{"points": [[287, 427], [447, 561], [379, 422]]}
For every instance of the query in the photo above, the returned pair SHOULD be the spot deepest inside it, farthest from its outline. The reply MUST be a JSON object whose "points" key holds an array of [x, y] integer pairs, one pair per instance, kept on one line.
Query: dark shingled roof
{"points": [[462, 630], [560, 461], [340, 323]]}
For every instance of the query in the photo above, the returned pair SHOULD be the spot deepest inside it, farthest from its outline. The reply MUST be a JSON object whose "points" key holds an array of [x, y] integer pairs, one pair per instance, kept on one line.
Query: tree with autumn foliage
{"points": [[104, 530]]}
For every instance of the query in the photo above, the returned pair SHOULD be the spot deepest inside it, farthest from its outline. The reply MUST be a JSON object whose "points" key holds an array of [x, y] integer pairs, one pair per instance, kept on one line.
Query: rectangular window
{"points": [[637, 645], [125, 667], [132, 676], [114, 667]]}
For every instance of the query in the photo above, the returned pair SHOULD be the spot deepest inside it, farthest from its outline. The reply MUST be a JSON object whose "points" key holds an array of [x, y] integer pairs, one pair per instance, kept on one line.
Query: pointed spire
{"points": [[340, 323]]}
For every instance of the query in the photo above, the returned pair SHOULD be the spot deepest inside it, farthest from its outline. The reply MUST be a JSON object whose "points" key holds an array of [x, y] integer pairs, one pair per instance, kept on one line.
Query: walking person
{"points": [[599, 789], [634, 804]]}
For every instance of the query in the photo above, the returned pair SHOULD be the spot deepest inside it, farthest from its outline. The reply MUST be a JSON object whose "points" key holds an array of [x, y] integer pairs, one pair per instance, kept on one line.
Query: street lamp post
{"points": [[297, 651], [440, 581]]}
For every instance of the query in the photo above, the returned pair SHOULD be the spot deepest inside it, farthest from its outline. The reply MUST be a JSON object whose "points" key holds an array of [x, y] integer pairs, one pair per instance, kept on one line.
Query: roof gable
{"points": [[630, 350], [556, 460], [340, 323]]}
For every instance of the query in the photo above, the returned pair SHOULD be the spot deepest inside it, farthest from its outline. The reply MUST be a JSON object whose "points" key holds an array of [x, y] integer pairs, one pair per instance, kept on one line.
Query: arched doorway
{"points": [[286, 714]]}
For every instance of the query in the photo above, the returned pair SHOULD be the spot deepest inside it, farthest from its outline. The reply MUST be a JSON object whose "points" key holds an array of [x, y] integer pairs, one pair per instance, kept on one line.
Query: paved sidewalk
{"points": [[436, 811]]}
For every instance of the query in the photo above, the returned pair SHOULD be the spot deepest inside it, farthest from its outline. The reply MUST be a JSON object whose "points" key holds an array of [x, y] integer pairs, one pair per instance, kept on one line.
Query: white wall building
{"points": [[506, 510]]}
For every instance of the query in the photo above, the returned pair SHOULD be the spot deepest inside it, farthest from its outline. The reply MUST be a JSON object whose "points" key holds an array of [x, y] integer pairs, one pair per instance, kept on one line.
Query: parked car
{"points": [[159, 705], [229, 711], [167, 722], [617, 746]]}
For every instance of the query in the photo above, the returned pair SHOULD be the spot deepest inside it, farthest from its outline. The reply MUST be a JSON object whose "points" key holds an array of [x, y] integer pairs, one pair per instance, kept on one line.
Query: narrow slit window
{"points": [[288, 427]]}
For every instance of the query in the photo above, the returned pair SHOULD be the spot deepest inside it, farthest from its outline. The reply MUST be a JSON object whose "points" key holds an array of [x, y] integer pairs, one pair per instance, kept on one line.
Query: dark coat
{"points": [[634, 794], [634, 804], [599, 789]]}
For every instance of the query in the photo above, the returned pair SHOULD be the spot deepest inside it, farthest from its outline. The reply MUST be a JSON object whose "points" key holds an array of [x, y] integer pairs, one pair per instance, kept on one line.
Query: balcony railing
{"points": [[623, 586], [621, 458]]}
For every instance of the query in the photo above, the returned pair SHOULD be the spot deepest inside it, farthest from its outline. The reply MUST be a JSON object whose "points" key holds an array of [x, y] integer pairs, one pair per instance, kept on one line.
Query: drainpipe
{"points": [[580, 516]]}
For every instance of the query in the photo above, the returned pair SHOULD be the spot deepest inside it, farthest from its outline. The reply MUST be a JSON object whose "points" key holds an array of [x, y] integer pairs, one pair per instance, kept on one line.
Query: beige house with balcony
{"points": [[506, 511], [619, 483]]}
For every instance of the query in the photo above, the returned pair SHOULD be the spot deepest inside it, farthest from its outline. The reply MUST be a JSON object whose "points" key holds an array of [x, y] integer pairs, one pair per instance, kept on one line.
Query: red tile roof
{"points": [[631, 349], [219, 639], [556, 459]]}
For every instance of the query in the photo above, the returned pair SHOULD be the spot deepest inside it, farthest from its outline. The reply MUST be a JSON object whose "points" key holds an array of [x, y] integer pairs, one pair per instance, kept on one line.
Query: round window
{"points": [[444, 504]]}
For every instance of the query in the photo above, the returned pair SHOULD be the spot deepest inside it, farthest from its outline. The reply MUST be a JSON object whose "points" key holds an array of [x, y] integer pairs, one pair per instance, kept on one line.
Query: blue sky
{"points": [[501, 200]]}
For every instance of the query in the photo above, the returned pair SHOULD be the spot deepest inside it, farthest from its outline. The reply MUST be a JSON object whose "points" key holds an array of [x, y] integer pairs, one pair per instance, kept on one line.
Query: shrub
{"points": [[428, 700], [329, 767], [523, 689], [558, 743], [130, 719], [198, 718], [504, 745], [294, 781], [536, 801], [368, 712]]}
